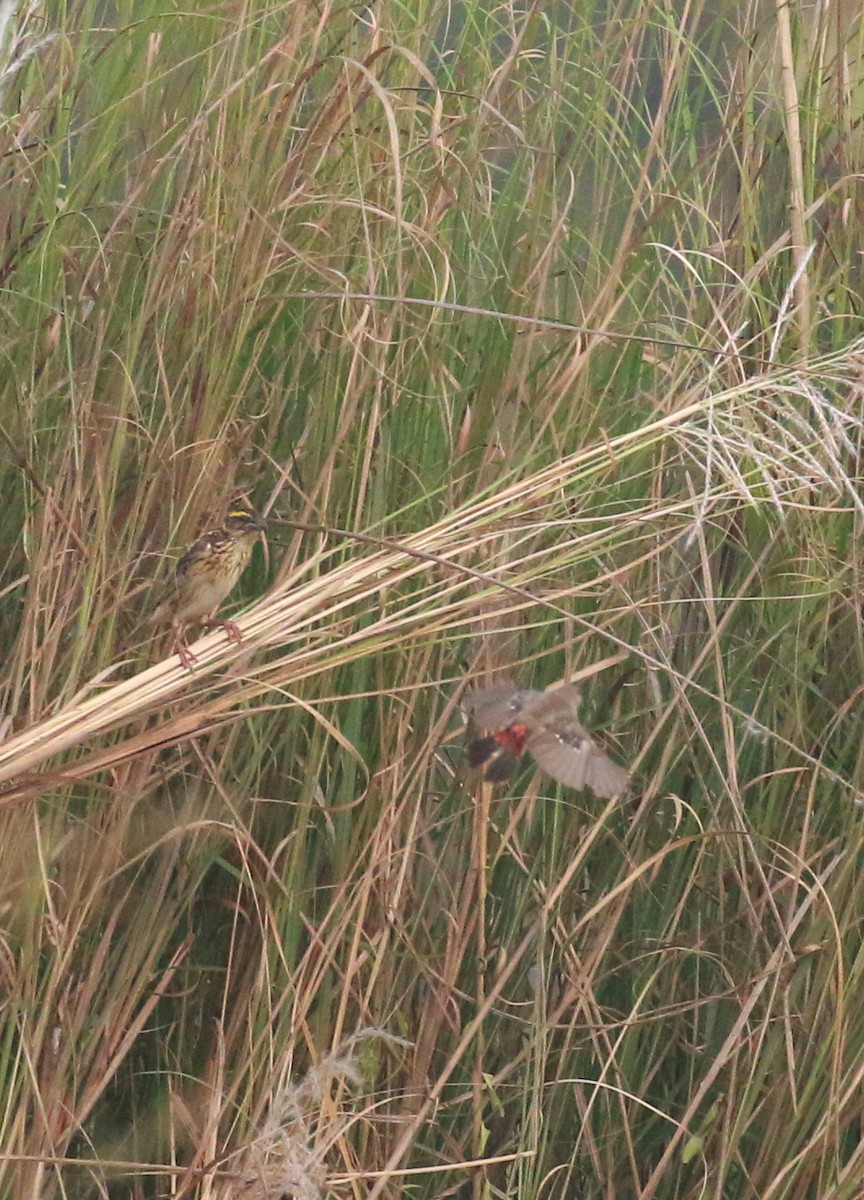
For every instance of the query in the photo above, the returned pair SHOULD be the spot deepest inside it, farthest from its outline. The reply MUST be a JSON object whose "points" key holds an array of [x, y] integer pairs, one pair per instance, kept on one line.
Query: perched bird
{"points": [[513, 720], [206, 574]]}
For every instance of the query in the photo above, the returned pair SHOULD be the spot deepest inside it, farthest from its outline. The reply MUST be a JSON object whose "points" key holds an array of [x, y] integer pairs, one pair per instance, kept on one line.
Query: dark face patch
{"points": [[481, 750], [500, 766], [494, 760]]}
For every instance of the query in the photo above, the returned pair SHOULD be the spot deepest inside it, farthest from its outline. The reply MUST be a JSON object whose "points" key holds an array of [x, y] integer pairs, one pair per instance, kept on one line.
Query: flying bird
{"points": [[513, 720]]}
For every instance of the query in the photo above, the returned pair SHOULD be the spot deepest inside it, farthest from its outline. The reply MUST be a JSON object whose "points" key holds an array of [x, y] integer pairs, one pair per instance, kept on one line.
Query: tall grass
{"points": [[536, 333]]}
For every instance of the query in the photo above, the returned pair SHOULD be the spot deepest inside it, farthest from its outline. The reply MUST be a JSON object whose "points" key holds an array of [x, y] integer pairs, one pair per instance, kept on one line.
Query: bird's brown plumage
{"points": [[207, 573]]}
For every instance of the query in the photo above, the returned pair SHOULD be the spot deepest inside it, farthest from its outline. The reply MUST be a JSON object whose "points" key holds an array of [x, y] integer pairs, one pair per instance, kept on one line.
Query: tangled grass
{"points": [[537, 336]]}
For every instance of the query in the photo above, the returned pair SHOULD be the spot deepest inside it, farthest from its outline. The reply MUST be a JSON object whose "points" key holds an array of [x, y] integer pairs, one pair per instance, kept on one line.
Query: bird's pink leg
{"points": [[230, 627], [181, 649]]}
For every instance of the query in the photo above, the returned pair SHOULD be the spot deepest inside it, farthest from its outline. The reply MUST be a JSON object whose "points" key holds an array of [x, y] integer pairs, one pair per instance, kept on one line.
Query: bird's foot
{"points": [[230, 627], [187, 658]]}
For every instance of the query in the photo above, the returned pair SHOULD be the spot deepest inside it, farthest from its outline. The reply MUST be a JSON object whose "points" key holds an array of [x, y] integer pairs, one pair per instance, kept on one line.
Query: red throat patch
{"points": [[512, 739]]}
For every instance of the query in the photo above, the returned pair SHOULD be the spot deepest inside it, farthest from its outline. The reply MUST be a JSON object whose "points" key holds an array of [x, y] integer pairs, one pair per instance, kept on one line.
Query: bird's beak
{"points": [[260, 522]]}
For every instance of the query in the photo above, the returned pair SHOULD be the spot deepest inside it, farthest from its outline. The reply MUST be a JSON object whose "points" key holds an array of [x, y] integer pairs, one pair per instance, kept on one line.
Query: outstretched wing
{"points": [[578, 762], [562, 746], [496, 707]]}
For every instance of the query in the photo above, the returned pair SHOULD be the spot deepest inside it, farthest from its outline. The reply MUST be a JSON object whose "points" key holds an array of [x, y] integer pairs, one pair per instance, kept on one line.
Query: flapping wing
{"points": [[605, 778], [557, 705], [566, 761], [497, 706], [565, 749], [574, 758]]}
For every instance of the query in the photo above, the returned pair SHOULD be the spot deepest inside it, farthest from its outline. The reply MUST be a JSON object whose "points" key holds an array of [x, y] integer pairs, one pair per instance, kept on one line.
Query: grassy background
{"points": [[562, 307]]}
